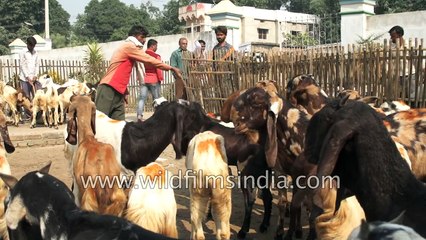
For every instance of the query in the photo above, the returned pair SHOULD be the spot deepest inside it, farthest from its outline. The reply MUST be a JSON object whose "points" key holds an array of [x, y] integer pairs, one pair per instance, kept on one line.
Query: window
{"points": [[188, 30], [198, 29], [263, 33], [295, 33]]}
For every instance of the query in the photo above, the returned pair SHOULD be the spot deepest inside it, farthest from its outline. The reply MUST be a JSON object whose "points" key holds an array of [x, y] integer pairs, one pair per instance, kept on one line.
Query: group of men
{"points": [[112, 90]]}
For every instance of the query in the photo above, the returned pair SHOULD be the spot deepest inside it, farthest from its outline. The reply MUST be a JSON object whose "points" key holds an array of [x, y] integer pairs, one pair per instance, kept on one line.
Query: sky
{"points": [[75, 7]]}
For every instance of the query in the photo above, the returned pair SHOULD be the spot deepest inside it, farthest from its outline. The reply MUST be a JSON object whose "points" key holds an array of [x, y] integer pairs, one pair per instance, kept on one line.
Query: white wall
{"points": [[412, 22], [166, 45]]}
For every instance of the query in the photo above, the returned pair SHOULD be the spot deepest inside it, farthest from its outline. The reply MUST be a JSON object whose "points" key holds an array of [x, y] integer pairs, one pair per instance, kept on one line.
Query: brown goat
{"points": [[4, 169], [227, 113], [93, 159]]}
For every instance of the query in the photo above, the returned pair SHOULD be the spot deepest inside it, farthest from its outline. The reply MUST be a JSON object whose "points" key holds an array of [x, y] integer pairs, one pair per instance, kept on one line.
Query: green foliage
{"points": [[93, 59], [14, 15], [396, 6], [300, 40], [368, 40], [169, 20]]}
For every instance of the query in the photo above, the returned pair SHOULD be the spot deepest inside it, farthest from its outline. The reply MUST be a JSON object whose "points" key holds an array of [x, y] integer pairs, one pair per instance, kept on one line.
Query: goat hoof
{"points": [[32, 126], [299, 234], [263, 227], [241, 235], [56, 127], [312, 235], [288, 237], [287, 212], [278, 237]]}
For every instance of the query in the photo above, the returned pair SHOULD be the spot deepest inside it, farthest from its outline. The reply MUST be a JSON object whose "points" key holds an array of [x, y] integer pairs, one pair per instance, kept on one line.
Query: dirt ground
{"points": [[24, 160]]}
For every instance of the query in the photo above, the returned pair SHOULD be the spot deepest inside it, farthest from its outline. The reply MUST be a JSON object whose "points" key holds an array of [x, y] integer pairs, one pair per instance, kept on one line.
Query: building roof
{"points": [[225, 6], [17, 43], [39, 39]]}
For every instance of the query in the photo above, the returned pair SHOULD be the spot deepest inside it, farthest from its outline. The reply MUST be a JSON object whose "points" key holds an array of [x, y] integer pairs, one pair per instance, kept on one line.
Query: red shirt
{"points": [[118, 73], [152, 73]]}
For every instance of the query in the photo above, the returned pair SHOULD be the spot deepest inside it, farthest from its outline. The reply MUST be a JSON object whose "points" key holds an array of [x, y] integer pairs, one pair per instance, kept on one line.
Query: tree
{"points": [[110, 20], [23, 18], [169, 21]]}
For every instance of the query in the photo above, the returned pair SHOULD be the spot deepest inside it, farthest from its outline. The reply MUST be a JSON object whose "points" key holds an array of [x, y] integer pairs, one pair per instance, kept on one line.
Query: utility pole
{"points": [[46, 19]]}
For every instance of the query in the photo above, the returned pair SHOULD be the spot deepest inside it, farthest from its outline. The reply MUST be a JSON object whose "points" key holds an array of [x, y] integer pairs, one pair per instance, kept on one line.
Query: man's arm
{"points": [[159, 71], [139, 55]]}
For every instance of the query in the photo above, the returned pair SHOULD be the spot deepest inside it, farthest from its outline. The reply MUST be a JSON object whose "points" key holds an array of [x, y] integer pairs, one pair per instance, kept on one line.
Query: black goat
{"points": [[137, 144], [142, 143], [44, 207], [348, 139]]}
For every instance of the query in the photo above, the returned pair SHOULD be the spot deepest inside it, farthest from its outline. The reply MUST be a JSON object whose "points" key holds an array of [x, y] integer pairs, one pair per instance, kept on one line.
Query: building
{"points": [[247, 26]]}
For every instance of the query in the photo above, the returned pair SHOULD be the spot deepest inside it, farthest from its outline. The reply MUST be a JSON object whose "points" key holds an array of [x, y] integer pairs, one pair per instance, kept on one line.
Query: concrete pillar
{"points": [[354, 14]]}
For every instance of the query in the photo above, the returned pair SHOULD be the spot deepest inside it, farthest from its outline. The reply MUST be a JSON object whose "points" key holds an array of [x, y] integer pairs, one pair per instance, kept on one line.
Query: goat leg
{"points": [[249, 199], [282, 206], [267, 205]]}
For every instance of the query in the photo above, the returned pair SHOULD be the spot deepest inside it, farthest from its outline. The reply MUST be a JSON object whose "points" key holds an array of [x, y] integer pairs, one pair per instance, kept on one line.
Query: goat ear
{"points": [[369, 99], [6, 139], [399, 219], [271, 145], [72, 129], [46, 168], [344, 100], [333, 143], [9, 180], [93, 119]]}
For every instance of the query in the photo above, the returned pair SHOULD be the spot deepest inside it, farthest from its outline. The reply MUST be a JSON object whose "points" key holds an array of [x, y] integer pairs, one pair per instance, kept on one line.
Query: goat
{"points": [[245, 151], [258, 109], [207, 158], [137, 144], [384, 230], [228, 112], [48, 103], [65, 94], [349, 140], [15, 99], [153, 205], [333, 223], [409, 128], [4, 169], [304, 92], [93, 159], [40, 206], [39, 104]]}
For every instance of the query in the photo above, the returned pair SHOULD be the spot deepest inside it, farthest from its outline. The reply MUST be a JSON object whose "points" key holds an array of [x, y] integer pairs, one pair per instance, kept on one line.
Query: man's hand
{"points": [[177, 72]]}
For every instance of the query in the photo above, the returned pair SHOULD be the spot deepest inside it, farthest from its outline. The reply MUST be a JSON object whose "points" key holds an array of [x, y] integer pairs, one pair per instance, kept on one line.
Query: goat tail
{"points": [[118, 202], [89, 200]]}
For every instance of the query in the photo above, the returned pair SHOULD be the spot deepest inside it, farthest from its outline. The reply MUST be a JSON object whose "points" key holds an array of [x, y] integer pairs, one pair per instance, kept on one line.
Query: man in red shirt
{"points": [[152, 79], [112, 89]]}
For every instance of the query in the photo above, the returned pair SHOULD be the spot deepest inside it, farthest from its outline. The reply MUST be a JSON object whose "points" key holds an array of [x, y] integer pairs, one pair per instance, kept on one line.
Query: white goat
{"points": [[152, 203], [207, 158]]}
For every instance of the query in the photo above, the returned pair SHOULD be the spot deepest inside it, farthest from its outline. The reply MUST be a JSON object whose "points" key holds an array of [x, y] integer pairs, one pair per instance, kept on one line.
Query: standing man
{"points": [[152, 79], [112, 90], [223, 50], [396, 34], [28, 65], [200, 50], [176, 61]]}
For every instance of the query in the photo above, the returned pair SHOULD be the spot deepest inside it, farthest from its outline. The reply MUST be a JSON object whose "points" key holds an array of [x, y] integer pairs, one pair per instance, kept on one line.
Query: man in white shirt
{"points": [[29, 66]]}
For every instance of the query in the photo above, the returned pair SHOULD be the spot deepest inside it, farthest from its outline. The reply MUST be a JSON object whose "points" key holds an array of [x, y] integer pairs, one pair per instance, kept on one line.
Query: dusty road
{"points": [[28, 159]]}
